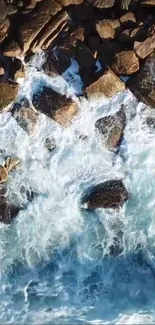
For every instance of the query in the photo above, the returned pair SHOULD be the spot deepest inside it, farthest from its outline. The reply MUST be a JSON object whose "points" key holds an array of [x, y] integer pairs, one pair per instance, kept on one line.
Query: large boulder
{"points": [[54, 105], [125, 63], [8, 93], [110, 194], [107, 84], [142, 84], [111, 128]]}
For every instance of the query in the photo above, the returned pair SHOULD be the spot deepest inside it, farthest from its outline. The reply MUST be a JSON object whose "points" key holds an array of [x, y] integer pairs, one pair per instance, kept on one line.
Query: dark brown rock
{"points": [[125, 63], [143, 49], [56, 106], [49, 143], [82, 12], [94, 42], [134, 34], [111, 128], [12, 49], [26, 118], [8, 93], [111, 194], [4, 29], [107, 51], [56, 64], [8, 211], [142, 85], [107, 84]]}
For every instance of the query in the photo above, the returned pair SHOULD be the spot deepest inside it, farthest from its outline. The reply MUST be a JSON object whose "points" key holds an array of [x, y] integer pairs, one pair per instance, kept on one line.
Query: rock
{"points": [[30, 4], [4, 29], [148, 3], [8, 93], [107, 51], [134, 34], [50, 31], [11, 9], [8, 211], [125, 63], [94, 42], [49, 143], [111, 128], [3, 10], [107, 28], [102, 3], [18, 69], [142, 85], [82, 12], [2, 71], [84, 56], [107, 85], [65, 3], [26, 118], [128, 20], [11, 163], [12, 49], [3, 174], [111, 194], [143, 49], [56, 106], [56, 64]]}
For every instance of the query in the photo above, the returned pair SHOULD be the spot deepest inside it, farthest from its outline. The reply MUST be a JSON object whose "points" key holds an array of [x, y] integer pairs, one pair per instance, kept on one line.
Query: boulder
{"points": [[128, 20], [65, 3], [111, 194], [3, 11], [142, 85], [54, 105], [12, 49], [49, 143], [3, 174], [8, 211], [82, 12], [143, 49], [107, 51], [148, 3], [8, 93], [107, 84], [125, 63], [102, 3], [133, 34], [18, 70], [56, 64], [111, 128], [107, 28], [26, 118]]}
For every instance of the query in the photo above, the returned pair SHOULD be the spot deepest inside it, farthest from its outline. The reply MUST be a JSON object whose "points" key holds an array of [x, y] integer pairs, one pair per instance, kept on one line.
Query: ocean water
{"points": [[55, 261]]}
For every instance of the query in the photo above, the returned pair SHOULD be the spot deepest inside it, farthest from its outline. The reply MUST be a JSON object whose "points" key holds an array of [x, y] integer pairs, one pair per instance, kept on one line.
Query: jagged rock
{"points": [[107, 28], [54, 105], [11, 163], [26, 118], [8, 93], [143, 49], [3, 174], [125, 63], [65, 3], [102, 3], [128, 20], [110, 194], [106, 85], [49, 143], [50, 31], [142, 85], [111, 128]]}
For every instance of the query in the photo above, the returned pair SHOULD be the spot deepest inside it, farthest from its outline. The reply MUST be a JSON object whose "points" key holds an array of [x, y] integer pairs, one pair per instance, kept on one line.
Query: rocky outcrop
{"points": [[111, 128], [142, 85], [125, 63], [54, 105], [106, 85], [111, 194], [8, 93]]}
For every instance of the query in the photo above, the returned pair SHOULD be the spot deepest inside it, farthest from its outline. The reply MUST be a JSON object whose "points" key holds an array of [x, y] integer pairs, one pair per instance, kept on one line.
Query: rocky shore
{"points": [[117, 35]]}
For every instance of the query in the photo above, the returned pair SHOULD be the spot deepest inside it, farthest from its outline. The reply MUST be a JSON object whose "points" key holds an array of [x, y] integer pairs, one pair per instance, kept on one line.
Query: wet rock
{"points": [[56, 64], [65, 3], [49, 143], [102, 3], [8, 93], [3, 174], [143, 49], [11, 163], [111, 128], [128, 20], [26, 118], [110, 194], [8, 211], [94, 42], [125, 63], [18, 70], [134, 34], [107, 28], [107, 51], [142, 85], [56, 106], [106, 85]]}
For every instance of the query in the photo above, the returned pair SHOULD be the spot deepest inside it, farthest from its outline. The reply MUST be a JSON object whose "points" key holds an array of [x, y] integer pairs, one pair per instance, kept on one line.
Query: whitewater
{"points": [[55, 266]]}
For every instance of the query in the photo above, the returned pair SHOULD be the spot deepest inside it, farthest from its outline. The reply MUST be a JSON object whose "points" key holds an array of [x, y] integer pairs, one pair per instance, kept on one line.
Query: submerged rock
{"points": [[111, 128], [26, 117], [8, 211], [49, 143], [55, 105], [110, 194], [11, 163]]}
